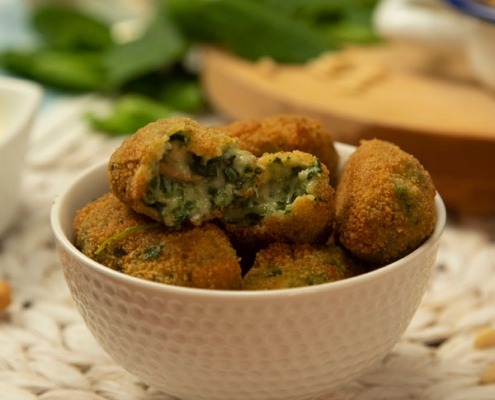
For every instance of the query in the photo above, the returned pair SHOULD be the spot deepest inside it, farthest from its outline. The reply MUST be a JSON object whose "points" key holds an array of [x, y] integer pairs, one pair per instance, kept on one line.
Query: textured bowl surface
{"points": [[204, 344], [19, 101]]}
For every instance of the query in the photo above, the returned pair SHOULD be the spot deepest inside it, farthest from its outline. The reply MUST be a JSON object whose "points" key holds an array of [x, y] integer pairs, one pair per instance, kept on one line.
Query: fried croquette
{"points": [[286, 133], [174, 170], [112, 234], [385, 203], [294, 203], [281, 266]]}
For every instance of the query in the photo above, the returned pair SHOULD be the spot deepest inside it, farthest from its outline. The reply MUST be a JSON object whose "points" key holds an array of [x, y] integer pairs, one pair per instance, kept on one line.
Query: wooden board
{"points": [[440, 115]]}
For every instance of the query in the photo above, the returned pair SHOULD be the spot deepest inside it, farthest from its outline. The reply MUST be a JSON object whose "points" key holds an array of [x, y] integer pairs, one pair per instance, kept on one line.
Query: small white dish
{"points": [[19, 103], [457, 28]]}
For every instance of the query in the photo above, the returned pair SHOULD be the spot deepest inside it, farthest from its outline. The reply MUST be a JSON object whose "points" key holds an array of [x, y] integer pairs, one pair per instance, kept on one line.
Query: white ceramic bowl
{"points": [[205, 344], [19, 102]]}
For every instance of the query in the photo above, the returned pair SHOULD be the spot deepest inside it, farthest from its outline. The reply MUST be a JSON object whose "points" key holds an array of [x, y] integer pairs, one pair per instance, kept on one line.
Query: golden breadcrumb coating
{"points": [[281, 266], [187, 200], [385, 203], [135, 166], [175, 175], [112, 234], [286, 132]]}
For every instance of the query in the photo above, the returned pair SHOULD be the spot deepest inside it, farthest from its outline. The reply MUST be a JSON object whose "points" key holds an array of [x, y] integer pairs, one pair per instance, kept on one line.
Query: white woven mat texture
{"points": [[47, 353]]}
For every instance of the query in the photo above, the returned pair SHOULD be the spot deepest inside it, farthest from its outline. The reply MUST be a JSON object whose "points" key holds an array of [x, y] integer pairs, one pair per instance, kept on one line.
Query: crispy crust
{"points": [[286, 133], [281, 265], [135, 162], [382, 209], [385, 204], [200, 257]]}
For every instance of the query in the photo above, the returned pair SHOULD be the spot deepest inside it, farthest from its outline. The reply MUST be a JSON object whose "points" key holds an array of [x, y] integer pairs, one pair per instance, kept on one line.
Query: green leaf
{"points": [[247, 28], [67, 28], [183, 95], [348, 32], [161, 46], [122, 234], [130, 112], [66, 70], [341, 22]]}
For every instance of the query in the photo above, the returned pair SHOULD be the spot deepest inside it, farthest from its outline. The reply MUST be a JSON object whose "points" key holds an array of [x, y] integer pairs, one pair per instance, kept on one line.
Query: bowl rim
{"points": [[58, 206], [475, 9], [32, 94]]}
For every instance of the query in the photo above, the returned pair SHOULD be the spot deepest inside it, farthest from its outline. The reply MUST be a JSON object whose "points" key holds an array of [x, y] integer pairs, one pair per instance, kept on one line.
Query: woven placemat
{"points": [[47, 353]]}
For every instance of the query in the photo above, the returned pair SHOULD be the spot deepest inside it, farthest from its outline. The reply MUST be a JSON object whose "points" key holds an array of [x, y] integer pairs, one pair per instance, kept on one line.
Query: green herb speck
{"points": [[152, 252]]}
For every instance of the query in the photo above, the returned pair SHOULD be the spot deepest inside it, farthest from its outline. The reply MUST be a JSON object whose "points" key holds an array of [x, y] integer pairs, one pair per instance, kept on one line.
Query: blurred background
{"points": [[419, 73]]}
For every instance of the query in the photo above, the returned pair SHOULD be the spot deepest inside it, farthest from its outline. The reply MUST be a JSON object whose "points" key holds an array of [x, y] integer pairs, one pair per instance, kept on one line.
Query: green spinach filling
{"points": [[189, 187], [282, 183]]}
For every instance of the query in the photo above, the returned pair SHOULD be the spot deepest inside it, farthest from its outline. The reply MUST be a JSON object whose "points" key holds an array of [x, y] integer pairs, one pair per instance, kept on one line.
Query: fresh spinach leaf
{"points": [[130, 112], [65, 27], [159, 48], [247, 28], [77, 71]]}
